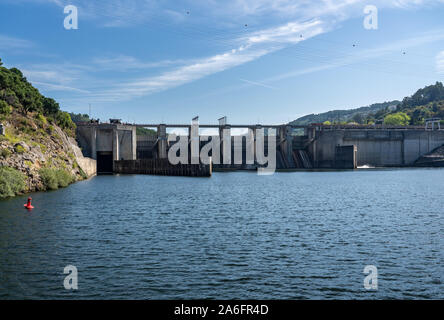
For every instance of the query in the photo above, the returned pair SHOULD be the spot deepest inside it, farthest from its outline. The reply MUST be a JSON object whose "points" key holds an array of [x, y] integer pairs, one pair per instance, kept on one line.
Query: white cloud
{"points": [[356, 59], [14, 43], [46, 75], [292, 32], [125, 63], [367, 54], [207, 17], [57, 87], [118, 13], [407, 4], [57, 77], [254, 46]]}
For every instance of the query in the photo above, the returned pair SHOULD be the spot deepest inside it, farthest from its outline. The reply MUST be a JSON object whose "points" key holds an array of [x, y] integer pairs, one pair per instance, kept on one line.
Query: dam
{"points": [[116, 145]]}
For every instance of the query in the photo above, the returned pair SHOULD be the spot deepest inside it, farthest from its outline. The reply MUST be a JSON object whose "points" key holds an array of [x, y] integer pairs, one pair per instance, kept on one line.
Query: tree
{"points": [[145, 132], [358, 118], [78, 117], [397, 119], [50, 106], [18, 92], [4, 108], [64, 121]]}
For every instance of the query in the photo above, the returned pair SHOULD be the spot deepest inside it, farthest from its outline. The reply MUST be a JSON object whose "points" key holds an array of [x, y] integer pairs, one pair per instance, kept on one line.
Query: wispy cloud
{"points": [[254, 46], [407, 4], [247, 47], [257, 84], [7, 42], [120, 13], [57, 77], [109, 13], [126, 63], [440, 62], [57, 87], [367, 54]]}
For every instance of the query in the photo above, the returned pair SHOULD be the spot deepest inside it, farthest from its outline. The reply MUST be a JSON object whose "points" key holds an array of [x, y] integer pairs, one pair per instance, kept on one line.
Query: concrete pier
{"points": [[161, 167]]}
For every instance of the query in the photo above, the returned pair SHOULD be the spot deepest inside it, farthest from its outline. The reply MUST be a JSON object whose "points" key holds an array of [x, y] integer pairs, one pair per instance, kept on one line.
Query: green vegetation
{"points": [[145, 132], [64, 121], [397, 119], [32, 119], [78, 117], [41, 119], [17, 94], [427, 102], [83, 174], [5, 108], [343, 116], [19, 149], [54, 178], [5, 153], [12, 182], [424, 96]]}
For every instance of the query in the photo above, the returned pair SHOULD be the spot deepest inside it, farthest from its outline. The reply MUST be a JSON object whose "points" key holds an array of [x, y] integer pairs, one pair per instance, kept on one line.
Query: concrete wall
{"points": [[121, 140], [83, 137], [127, 145], [345, 157], [376, 147], [88, 165], [104, 139]]}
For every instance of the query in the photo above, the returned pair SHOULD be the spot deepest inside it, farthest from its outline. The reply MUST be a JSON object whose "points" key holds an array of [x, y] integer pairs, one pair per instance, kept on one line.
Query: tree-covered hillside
{"points": [[19, 96], [427, 102], [37, 149], [344, 115]]}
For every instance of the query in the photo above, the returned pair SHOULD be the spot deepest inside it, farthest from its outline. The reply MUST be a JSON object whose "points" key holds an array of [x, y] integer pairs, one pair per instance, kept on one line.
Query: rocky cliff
{"points": [[37, 149], [31, 143]]}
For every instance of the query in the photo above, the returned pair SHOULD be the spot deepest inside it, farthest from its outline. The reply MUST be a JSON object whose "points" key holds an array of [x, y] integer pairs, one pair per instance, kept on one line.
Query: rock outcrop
{"points": [[31, 148]]}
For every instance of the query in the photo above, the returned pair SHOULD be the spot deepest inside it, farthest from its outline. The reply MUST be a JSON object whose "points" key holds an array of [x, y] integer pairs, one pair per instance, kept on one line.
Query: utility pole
{"points": [[89, 111]]}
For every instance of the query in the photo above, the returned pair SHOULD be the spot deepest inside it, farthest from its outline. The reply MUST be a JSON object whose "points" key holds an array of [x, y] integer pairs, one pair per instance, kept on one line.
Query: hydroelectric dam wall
{"points": [[297, 147], [379, 147]]}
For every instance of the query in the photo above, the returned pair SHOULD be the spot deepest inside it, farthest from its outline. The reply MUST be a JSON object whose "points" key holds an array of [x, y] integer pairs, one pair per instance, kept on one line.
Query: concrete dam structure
{"points": [[117, 147], [106, 143], [378, 147]]}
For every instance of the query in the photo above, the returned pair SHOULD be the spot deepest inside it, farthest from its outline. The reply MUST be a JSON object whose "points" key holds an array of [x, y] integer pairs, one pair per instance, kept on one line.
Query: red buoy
{"points": [[28, 205]]}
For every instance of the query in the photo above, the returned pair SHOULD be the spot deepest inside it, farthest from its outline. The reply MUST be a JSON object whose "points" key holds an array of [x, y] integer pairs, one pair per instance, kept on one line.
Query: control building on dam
{"points": [[114, 145]]}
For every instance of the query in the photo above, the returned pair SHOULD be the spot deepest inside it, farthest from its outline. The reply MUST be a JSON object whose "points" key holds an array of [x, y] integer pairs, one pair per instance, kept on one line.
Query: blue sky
{"points": [[255, 61]]}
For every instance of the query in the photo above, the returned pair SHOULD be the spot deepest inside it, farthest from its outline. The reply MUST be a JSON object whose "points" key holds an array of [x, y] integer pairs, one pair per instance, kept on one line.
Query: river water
{"points": [[292, 235]]}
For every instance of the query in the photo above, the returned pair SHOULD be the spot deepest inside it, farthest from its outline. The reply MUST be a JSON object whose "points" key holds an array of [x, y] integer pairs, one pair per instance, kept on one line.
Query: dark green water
{"points": [[237, 235]]}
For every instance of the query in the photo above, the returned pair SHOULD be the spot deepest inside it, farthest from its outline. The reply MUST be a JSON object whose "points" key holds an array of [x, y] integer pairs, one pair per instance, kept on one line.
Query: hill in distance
{"points": [[427, 102], [344, 115]]}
